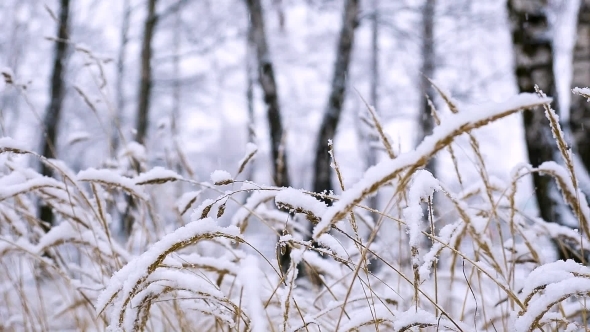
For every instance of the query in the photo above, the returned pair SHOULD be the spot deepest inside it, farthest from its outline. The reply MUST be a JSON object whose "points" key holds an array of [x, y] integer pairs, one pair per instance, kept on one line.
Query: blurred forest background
{"points": [[198, 86], [187, 84], [181, 77]]}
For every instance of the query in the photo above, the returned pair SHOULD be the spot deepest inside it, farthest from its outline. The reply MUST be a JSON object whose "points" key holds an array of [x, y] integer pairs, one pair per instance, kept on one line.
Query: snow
{"points": [[202, 211], [251, 277], [112, 178], [77, 137], [156, 175], [446, 236], [414, 317], [28, 186], [570, 189], [300, 201], [331, 243], [251, 150], [124, 282], [8, 144], [365, 318], [65, 232], [186, 200], [423, 186], [215, 117], [450, 127], [134, 150], [220, 177], [560, 280], [584, 92], [257, 198], [552, 273]]}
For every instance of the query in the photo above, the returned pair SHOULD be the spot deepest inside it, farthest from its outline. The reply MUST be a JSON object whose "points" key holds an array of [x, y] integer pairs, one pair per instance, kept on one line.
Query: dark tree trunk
{"points": [[533, 52], [426, 119], [580, 108], [266, 77], [57, 93], [143, 105], [322, 169], [145, 83]]}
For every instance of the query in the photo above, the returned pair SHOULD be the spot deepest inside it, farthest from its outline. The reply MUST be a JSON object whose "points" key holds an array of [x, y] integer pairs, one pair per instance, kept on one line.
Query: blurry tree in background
{"points": [[370, 151], [322, 170], [425, 117], [533, 54], [580, 108], [145, 84], [266, 77], [184, 77], [115, 135], [57, 94]]}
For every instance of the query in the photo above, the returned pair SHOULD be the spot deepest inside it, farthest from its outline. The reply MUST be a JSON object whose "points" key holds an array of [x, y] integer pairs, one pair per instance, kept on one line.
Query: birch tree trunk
{"points": [[57, 93], [322, 170], [580, 108], [266, 77], [533, 54]]}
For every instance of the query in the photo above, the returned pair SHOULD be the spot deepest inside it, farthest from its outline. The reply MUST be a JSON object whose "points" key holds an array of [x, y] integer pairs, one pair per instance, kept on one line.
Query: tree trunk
{"points": [[145, 84], [533, 52], [426, 120], [322, 172], [371, 156], [116, 131], [580, 108], [250, 80], [266, 77], [371, 153], [143, 105], [278, 4], [57, 93]]}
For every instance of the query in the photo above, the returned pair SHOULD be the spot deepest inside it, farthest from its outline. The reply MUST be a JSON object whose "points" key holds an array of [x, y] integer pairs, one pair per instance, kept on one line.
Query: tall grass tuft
{"points": [[475, 263]]}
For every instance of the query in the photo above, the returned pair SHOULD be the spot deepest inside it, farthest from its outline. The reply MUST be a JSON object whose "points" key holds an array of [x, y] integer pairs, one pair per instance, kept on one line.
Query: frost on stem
{"points": [[423, 186]]}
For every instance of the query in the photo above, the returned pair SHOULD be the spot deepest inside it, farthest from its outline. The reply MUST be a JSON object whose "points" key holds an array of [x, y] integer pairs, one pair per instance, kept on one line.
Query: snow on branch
{"points": [[7, 144], [298, 201], [443, 135], [30, 185], [135, 276], [111, 178], [584, 92], [157, 175], [220, 177], [548, 285]]}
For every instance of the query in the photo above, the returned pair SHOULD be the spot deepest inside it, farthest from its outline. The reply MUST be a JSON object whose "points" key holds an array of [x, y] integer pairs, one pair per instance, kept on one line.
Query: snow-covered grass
{"points": [[458, 261]]}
